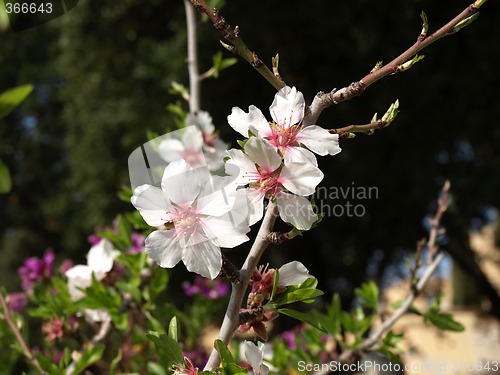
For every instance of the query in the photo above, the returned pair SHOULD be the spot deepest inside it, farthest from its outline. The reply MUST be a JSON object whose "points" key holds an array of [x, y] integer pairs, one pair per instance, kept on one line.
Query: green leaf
{"points": [[155, 369], [305, 292], [306, 318], [11, 98], [47, 365], [368, 292], [225, 355], [158, 282], [115, 361], [5, 179], [89, 357], [444, 321], [173, 329], [169, 350]]}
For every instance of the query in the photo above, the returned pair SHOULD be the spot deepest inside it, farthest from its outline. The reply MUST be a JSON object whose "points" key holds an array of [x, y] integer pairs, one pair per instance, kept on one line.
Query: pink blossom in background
{"points": [[17, 302], [35, 269], [211, 289], [138, 242]]}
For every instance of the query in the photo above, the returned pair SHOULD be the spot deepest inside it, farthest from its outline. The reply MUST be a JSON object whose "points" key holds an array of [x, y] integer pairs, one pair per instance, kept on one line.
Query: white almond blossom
{"points": [[293, 273], [198, 214], [100, 260], [198, 143], [260, 168], [254, 356], [286, 132]]}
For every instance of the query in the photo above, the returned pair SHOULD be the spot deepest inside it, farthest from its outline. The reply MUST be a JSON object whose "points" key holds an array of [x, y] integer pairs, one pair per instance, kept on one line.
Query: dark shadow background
{"points": [[102, 74]]}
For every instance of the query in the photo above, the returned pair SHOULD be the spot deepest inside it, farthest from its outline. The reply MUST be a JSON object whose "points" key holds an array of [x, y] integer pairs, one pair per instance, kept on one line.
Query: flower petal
{"points": [[171, 149], [242, 166], [300, 178], [296, 211], [181, 183], [242, 121], [79, 277], [225, 230], [319, 140], [100, 258], [263, 154], [162, 247], [288, 107], [203, 258], [300, 155], [293, 273], [152, 203]]}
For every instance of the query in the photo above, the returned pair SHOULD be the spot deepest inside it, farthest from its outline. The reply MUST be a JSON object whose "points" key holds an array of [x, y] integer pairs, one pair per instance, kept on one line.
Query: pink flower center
{"points": [[283, 136], [268, 182], [186, 222]]}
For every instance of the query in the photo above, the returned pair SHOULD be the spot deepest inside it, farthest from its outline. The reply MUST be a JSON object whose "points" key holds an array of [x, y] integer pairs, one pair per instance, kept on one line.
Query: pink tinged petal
{"points": [[319, 140], [288, 107], [181, 183], [152, 203], [192, 138], [255, 205], [203, 258], [171, 149], [263, 154], [296, 211], [242, 121], [240, 165], [225, 230], [300, 155], [215, 198], [293, 273], [300, 178], [163, 248]]}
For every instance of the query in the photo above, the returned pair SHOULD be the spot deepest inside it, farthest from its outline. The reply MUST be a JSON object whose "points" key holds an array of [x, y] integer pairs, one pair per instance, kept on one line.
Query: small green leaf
{"points": [[225, 355], [169, 350], [173, 329], [444, 321], [155, 369], [115, 361], [89, 357], [5, 179], [368, 292], [11, 98], [306, 318]]}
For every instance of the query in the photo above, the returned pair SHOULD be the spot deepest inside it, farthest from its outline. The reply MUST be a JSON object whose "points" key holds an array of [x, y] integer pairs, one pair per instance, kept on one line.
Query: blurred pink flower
{"points": [[35, 269], [211, 289]]}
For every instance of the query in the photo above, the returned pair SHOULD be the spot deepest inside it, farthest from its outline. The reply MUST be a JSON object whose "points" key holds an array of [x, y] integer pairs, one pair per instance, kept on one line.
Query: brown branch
{"points": [[192, 60], [324, 100], [238, 46], [19, 337], [443, 199], [368, 129], [231, 318]]}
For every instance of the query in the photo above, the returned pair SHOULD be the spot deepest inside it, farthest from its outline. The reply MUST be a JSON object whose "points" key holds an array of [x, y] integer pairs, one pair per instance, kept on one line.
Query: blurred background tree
{"points": [[102, 73]]}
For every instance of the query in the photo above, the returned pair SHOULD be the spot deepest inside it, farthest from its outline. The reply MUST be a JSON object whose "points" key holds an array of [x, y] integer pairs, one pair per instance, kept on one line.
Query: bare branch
{"points": [[237, 45], [19, 337], [443, 202], [231, 318], [192, 61], [324, 100]]}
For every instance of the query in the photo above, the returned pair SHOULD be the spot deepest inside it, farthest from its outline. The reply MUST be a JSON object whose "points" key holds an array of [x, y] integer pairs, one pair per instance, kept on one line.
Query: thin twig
{"points": [[237, 45], [192, 60], [231, 318], [324, 100], [416, 286], [388, 323], [19, 337], [443, 202]]}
